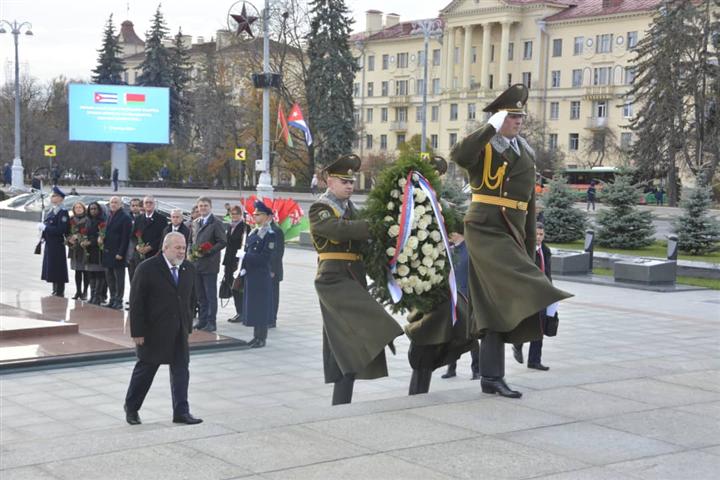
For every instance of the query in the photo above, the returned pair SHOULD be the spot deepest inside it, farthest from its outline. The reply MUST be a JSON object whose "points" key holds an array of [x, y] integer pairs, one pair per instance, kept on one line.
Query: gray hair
{"points": [[169, 238], [177, 211]]}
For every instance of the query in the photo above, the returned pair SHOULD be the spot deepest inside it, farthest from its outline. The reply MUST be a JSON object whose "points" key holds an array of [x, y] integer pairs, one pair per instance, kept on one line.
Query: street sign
{"points": [[50, 150], [240, 154], [424, 156]]}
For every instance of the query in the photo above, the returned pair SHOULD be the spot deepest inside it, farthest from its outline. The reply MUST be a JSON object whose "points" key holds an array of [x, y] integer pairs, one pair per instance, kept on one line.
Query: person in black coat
{"points": [[54, 228], [161, 300], [276, 269], [93, 260], [132, 255], [235, 235], [114, 249], [543, 259], [149, 230], [177, 225]]}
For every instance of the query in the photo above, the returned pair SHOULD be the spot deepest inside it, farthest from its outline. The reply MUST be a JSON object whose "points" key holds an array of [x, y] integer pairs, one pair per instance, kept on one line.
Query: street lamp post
{"points": [[17, 168], [429, 28], [264, 186]]}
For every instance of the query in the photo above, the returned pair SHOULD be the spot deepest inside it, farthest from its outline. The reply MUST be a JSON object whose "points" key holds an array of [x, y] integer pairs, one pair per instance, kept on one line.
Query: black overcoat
{"points": [[117, 236], [152, 231], [54, 267]]}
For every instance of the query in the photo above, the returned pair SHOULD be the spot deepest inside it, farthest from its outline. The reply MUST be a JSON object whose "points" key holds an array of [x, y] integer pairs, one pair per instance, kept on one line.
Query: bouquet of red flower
{"points": [[199, 251], [102, 229], [81, 236], [140, 243]]}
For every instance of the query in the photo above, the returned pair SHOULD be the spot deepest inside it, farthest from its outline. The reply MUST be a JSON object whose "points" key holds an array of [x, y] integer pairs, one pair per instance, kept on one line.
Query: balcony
{"points": [[599, 92], [399, 126], [596, 123], [400, 101]]}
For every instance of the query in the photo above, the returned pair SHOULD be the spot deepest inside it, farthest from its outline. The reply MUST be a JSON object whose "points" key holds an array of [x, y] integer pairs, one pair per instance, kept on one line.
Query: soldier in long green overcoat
{"points": [[356, 328], [506, 288]]}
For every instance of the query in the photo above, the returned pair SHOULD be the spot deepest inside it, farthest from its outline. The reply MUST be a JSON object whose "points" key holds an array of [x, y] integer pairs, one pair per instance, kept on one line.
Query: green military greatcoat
{"points": [[506, 288], [356, 328]]}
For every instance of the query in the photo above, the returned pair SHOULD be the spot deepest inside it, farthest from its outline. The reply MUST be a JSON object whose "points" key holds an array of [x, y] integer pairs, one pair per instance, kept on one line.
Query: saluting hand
{"points": [[497, 119]]}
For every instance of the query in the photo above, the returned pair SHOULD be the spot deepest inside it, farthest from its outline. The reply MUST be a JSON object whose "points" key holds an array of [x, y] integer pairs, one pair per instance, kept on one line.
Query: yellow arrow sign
{"points": [[50, 150], [240, 155]]}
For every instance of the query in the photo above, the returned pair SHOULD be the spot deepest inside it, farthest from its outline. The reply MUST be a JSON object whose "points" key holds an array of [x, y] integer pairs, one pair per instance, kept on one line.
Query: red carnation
{"points": [[83, 231], [138, 234], [205, 246]]}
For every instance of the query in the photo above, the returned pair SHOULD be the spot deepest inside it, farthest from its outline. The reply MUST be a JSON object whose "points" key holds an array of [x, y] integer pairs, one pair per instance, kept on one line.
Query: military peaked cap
{"points": [[344, 167], [512, 100]]}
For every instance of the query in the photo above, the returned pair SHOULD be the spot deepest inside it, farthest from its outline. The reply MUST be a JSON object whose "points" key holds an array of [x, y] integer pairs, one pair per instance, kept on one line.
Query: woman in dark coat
{"points": [[76, 253], [258, 304], [95, 223], [235, 236]]}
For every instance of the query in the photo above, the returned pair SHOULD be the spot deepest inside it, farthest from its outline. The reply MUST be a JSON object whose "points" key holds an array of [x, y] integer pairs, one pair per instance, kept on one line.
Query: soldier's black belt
{"points": [[500, 201]]}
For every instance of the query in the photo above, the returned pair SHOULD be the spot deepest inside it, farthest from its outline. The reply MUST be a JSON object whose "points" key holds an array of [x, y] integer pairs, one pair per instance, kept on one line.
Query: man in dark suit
{"points": [[53, 229], [276, 268], [543, 261], [208, 241], [149, 230], [114, 248], [161, 299], [132, 255], [177, 225]]}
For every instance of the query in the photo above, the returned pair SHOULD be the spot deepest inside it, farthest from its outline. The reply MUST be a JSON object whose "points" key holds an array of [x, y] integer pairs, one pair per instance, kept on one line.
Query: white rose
{"points": [[388, 219], [441, 247], [395, 194], [413, 243], [427, 249], [435, 235], [415, 264], [408, 289], [427, 261], [427, 286], [431, 271], [415, 255], [427, 219], [419, 211], [422, 270], [402, 258], [391, 206], [394, 230], [413, 280], [422, 235], [390, 252], [420, 196], [435, 254], [403, 270], [402, 182], [422, 225], [440, 264]]}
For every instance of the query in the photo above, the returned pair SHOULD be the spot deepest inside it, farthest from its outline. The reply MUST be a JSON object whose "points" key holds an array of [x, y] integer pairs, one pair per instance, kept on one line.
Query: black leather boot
{"points": [[498, 385], [450, 371]]}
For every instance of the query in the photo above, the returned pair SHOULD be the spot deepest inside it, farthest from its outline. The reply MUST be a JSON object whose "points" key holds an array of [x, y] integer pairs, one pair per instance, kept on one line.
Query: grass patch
{"points": [[710, 283], [656, 250]]}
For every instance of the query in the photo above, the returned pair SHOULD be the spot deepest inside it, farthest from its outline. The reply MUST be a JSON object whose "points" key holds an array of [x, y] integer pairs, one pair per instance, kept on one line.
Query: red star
{"points": [[244, 22]]}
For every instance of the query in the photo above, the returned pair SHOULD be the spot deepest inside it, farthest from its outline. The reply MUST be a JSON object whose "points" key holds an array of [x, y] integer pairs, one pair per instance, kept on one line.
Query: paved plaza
{"points": [[633, 393]]}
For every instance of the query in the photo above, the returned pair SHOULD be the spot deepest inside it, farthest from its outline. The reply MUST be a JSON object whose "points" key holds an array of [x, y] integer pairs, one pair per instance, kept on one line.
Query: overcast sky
{"points": [[68, 33]]}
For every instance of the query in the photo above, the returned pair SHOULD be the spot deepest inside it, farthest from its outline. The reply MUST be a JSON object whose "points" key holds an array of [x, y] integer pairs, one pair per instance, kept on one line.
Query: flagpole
{"points": [[264, 186]]}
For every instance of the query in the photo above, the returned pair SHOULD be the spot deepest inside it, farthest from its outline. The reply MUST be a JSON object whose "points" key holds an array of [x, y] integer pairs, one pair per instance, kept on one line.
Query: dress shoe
{"points": [[117, 306], [498, 385], [538, 366], [258, 343], [476, 376], [131, 416], [236, 319], [76, 296], [187, 419], [208, 328], [517, 353], [449, 374], [199, 326]]}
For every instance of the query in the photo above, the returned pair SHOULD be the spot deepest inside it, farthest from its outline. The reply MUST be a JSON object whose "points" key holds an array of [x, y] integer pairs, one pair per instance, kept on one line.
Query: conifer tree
{"points": [[563, 222], [180, 106], [698, 233], [156, 67], [623, 225], [111, 66]]}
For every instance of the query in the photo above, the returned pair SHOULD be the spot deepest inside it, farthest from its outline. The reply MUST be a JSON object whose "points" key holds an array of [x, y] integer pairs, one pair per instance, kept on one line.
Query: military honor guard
{"points": [[356, 328], [506, 288], [54, 229]]}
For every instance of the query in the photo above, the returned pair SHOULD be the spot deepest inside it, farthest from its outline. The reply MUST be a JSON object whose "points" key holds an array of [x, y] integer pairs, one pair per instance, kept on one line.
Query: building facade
{"points": [[574, 55]]}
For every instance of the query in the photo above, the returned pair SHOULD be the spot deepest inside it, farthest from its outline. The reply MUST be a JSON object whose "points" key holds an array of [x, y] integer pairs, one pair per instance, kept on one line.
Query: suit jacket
{"points": [[214, 232], [235, 238], [182, 229], [161, 310], [276, 264], [152, 231], [117, 237], [547, 258]]}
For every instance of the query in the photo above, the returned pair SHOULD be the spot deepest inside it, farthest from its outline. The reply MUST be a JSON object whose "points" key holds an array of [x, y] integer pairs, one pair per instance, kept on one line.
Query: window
{"points": [[511, 50], [383, 142], [402, 60], [383, 115], [600, 109], [436, 57], [555, 74], [455, 83], [400, 139], [554, 110], [384, 89], [527, 50], [401, 87], [577, 75], [601, 75], [627, 110], [574, 141], [492, 53], [453, 111], [557, 47], [356, 143], [575, 110], [473, 54], [632, 39], [418, 114], [456, 55], [419, 86], [421, 57], [356, 89], [625, 140], [371, 87], [509, 79], [385, 61], [553, 141], [436, 86], [368, 142], [434, 113], [630, 74], [401, 114], [472, 109], [356, 117], [578, 45], [369, 115], [603, 43], [490, 82], [453, 139], [434, 141], [371, 63], [526, 79]]}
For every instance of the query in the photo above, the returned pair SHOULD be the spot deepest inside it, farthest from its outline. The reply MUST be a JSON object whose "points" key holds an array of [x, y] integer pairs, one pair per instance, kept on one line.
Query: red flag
{"points": [[282, 127]]}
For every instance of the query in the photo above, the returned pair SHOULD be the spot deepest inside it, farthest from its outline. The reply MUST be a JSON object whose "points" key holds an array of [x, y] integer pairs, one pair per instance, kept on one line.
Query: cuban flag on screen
{"points": [[101, 97], [295, 119]]}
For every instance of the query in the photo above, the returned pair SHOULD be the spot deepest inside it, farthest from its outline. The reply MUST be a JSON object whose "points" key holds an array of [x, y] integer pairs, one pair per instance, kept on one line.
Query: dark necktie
{"points": [[174, 271], [542, 260], [514, 145]]}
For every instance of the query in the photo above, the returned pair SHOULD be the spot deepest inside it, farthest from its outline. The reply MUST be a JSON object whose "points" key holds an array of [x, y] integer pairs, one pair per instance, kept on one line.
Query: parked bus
{"points": [[580, 178]]}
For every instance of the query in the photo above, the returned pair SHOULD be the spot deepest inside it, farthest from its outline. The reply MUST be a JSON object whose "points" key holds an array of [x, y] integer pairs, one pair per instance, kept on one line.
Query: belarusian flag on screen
{"points": [[134, 98]]}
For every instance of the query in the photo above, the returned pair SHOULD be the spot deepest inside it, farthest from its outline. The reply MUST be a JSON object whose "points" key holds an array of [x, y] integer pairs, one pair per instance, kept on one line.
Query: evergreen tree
{"points": [[331, 74], [111, 66], [563, 222], [698, 233], [180, 67], [623, 225], [157, 66]]}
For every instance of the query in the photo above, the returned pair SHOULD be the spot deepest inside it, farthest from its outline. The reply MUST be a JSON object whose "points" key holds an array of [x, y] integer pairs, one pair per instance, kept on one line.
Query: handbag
{"points": [[551, 325], [225, 289], [239, 284]]}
